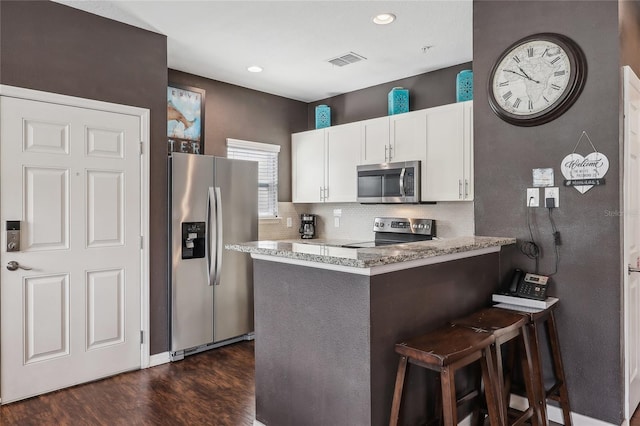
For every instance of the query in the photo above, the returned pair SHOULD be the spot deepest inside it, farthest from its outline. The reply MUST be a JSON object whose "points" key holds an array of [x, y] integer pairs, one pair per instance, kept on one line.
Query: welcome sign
{"points": [[583, 173]]}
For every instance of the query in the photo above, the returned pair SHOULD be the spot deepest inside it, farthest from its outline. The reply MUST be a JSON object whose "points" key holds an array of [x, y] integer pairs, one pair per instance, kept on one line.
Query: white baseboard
{"points": [[159, 359], [555, 413]]}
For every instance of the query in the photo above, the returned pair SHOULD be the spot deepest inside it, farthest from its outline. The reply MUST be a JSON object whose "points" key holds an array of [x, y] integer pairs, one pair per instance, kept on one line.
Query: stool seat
{"points": [[498, 321], [445, 346]]}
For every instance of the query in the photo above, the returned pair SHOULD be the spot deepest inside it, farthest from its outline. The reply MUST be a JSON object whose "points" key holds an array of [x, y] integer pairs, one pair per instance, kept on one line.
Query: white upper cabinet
{"points": [[308, 164], [324, 161], [343, 156], [324, 164], [408, 133], [374, 137], [449, 164]]}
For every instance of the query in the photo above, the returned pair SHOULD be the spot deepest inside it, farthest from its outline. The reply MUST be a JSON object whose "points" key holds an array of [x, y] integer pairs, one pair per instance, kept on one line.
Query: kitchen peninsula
{"points": [[327, 319]]}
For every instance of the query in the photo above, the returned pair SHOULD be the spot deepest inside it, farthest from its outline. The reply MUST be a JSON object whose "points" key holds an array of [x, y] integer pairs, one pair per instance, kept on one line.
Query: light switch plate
{"points": [[336, 222], [289, 222]]}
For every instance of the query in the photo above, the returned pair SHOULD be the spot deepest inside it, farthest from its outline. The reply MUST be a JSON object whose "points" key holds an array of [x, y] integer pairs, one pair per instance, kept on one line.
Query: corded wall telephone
{"points": [[528, 285]]}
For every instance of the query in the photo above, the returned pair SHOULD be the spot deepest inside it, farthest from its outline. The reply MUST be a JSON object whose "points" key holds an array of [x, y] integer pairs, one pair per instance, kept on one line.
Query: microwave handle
{"points": [[402, 181]]}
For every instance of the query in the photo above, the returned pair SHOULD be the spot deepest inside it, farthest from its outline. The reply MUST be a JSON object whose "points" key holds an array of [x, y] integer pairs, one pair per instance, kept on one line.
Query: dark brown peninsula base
{"points": [[325, 339]]}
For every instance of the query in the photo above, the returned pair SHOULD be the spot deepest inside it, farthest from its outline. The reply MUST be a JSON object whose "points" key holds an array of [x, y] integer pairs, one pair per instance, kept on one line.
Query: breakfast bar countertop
{"points": [[333, 252]]}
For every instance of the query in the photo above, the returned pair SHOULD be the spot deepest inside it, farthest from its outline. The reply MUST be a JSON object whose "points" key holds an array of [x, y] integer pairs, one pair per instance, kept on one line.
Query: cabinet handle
{"points": [[321, 194], [326, 193], [390, 152], [386, 148], [466, 188], [460, 188]]}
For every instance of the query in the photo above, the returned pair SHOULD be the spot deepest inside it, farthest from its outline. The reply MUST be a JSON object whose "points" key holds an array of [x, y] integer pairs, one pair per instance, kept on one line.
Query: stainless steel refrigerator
{"points": [[214, 201]]}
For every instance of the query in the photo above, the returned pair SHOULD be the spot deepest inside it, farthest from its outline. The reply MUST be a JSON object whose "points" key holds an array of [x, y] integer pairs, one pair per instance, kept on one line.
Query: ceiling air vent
{"points": [[346, 59]]}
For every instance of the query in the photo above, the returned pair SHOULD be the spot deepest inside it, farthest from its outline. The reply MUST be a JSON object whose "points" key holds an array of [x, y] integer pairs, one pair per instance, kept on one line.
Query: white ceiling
{"points": [[292, 40]]}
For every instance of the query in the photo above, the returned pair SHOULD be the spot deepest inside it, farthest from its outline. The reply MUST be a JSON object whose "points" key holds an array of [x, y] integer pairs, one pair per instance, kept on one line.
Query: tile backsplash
{"points": [[453, 219]]}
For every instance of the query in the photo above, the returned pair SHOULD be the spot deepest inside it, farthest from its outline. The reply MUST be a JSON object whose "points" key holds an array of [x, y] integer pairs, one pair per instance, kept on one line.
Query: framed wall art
{"points": [[185, 119]]}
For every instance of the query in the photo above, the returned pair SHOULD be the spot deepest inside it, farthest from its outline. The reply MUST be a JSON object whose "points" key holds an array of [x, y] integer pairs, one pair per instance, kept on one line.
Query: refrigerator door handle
{"points": [[211, 236], [218, 219]]}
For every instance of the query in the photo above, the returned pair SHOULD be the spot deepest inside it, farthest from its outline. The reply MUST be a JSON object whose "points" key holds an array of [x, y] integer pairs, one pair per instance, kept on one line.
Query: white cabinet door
{"points": [[468, 150], [408, 136], [374, 138], [444, 179], [343, 155], [308, 166]]}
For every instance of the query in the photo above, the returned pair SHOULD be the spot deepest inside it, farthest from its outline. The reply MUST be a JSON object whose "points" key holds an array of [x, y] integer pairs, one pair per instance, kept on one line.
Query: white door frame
{"points": [[143, 114]]}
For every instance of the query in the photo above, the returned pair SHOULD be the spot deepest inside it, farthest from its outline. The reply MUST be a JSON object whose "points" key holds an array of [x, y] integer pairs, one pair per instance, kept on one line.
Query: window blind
{"points": [[267, 157]]}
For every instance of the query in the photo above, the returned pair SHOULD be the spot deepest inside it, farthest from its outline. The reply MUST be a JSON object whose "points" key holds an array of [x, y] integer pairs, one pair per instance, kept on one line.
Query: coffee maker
{"points": [[307, 225]]}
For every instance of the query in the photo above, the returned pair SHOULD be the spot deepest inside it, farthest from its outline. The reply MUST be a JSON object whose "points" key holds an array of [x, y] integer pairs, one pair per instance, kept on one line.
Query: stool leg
{"points": [[538, 383], [397, 393], [496, 353], [491, 392], [559, 369], [529, 377], [449, 405]]}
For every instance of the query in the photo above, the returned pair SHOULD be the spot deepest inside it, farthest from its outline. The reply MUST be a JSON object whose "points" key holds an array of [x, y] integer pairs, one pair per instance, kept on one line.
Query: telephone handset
{"points": [[528, 285]]}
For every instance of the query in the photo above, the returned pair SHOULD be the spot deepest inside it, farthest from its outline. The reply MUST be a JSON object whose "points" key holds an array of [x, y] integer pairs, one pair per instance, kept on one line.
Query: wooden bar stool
{"points": [[509, 327], [445, 351], [558, 391]]}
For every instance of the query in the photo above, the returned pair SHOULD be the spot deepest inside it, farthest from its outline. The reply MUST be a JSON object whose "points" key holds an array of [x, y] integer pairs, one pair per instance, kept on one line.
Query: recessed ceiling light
{"points": [[384, 18], [254, 68]]}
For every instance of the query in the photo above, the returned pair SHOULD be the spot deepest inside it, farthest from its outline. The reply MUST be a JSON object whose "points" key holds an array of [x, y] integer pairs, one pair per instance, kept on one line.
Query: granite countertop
{"points": [[332, 252]]}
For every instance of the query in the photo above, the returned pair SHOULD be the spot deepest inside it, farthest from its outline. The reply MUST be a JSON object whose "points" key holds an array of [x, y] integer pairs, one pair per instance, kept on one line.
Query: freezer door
{"points": [[191, 295], [237, 181]]}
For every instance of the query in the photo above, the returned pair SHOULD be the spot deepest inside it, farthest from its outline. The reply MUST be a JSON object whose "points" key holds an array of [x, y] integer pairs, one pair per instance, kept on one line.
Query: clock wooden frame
{"points": [[573, 89]]}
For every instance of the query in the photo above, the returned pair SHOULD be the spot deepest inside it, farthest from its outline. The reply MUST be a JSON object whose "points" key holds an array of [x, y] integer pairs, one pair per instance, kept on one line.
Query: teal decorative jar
{"points": [[398, 100], [464, 86], [323, 116]]}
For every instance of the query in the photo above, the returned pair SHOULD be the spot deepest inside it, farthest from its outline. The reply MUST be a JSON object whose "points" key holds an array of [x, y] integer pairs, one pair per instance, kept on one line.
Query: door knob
{"points": [[633, 270], [13, 266]]}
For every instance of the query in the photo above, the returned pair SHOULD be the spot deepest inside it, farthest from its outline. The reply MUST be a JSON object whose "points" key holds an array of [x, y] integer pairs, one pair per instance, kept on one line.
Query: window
{"points": [[267, 157]]}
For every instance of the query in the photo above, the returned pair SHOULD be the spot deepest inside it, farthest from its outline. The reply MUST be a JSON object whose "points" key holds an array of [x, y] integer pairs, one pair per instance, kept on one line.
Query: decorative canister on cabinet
{"points": [[464, 86], [323, 116], [398, 100]]}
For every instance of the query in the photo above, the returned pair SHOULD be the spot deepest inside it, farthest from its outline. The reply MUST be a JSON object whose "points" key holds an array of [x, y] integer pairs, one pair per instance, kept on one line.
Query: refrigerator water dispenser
{"points": [[193, 240]]}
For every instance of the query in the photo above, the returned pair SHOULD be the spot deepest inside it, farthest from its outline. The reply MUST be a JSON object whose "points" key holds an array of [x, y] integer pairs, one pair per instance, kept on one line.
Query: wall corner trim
{"points": [[159, 359]]}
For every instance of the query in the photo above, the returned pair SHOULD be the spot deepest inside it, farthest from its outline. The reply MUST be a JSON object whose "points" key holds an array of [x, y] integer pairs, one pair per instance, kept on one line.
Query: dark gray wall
{"points": [[425, 91], [240, 113], [54, 48], [589, 276]]}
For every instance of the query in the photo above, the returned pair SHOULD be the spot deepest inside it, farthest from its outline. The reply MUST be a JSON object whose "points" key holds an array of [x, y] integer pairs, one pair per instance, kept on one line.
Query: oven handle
{"points": [[402, 193]]}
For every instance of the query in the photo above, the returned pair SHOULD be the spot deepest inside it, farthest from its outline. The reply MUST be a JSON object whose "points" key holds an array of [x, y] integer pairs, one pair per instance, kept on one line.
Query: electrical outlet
{"points": [[289, 222], [336, 222], [552, 192], [533, 197]]}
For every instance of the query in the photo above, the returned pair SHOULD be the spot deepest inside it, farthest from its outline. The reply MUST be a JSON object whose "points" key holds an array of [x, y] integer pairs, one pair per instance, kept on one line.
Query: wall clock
{"points": [[537, 79]]}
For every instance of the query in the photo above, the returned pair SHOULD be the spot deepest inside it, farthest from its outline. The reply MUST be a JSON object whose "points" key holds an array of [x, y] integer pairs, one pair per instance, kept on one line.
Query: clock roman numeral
{"points": [[558, 73], [556, 59], [544, 53], [530, 52], [507, 95], [546, 100], [530, 105], [503, 84], [515, 58], [555, 86], [516, 103]]}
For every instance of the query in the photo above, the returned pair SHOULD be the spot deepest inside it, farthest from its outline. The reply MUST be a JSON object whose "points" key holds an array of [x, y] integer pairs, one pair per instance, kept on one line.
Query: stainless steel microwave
{"points": [[389, 182]]}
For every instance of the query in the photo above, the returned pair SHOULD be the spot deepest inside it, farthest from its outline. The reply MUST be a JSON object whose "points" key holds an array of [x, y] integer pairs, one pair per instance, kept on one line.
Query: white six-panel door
{"points": [[631, 240], [71, 176]]}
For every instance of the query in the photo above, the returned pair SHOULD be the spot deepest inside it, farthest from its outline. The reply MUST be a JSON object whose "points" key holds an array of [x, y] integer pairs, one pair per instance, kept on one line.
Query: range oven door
{"points": [[389, 182]]}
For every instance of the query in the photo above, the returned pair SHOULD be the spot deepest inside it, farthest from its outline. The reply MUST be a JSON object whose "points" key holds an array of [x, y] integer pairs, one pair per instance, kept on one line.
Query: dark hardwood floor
{"points": [[212, 388]]}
